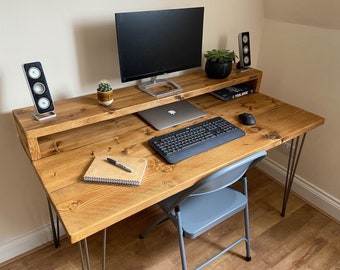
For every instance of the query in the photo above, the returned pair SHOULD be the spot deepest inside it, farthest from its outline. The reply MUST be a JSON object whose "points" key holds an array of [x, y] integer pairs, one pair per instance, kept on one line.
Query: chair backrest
{"points": [[219, 179], [227, 175]]}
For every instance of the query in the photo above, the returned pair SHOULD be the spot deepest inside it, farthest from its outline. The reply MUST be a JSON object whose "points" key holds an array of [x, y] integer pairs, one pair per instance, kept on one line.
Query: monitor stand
{"points": [[160, 87]]}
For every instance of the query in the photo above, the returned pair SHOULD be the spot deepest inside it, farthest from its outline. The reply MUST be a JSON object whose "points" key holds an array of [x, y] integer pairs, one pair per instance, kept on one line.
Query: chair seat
{"points": [[201, 213]]}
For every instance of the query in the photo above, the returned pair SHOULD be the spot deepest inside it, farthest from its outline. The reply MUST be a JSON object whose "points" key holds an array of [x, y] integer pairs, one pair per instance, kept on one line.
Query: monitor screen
{"points": [[152, 43]]}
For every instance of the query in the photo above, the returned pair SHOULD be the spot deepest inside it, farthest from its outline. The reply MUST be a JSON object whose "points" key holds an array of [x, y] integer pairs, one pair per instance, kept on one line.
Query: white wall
{"points": [[75, 41], [300, 60]]}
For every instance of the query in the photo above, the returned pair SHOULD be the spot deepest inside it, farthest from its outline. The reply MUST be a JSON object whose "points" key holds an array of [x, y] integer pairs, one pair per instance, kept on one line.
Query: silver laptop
{"points": [[172, 114]]}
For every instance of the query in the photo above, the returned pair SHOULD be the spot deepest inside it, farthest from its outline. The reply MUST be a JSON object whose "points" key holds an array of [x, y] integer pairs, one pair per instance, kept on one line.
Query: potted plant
{"points": [[219, 63], [104, 93]]}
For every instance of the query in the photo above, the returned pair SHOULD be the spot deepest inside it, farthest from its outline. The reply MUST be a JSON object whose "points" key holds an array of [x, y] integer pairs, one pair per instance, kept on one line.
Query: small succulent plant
{"points": [[104, 86], [220, 56]]}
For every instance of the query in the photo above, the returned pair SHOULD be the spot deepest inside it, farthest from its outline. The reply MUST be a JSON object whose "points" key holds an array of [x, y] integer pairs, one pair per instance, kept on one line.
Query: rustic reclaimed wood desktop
{"points": [[61, 149]]}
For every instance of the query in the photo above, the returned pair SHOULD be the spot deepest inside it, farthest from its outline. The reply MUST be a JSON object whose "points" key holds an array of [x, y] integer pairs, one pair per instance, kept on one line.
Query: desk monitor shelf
{"points": [[81, 111]]}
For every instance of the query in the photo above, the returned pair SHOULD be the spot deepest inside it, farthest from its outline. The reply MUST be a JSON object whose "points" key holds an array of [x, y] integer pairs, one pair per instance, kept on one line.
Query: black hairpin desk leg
{"points": [[55, 226], [294, 156]]}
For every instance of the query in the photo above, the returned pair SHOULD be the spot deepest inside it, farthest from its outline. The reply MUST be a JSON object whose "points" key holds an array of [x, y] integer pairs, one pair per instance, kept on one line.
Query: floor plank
{"points": [[303, 239]]}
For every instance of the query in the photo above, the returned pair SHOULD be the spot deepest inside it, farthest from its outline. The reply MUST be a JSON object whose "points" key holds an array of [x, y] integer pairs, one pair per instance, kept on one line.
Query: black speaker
{"points": [[244, 50], [42, 99]]}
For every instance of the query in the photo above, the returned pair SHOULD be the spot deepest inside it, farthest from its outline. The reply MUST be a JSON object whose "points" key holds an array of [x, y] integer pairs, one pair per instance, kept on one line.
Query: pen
{"points": [[120, 165]]}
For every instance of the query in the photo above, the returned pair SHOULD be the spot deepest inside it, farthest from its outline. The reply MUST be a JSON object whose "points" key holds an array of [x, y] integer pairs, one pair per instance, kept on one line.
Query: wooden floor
{"points": [[304, 239]]}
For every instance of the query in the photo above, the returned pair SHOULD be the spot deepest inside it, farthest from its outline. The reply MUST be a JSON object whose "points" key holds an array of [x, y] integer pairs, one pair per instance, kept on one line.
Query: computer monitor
{"points": [[151, 43]]}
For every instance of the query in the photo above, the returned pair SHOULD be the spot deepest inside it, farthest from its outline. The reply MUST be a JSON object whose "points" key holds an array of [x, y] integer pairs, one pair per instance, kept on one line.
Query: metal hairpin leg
{"points": [[55, 231], [104, 248], [87, 258], [294, 155], [82, 255]]}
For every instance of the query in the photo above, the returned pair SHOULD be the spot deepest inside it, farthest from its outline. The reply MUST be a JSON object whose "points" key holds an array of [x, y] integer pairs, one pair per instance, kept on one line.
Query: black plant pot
{"points": [[217, 70]]}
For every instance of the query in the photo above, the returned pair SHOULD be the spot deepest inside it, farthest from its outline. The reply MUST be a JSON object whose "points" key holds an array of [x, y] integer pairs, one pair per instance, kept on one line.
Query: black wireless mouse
{"points": [[247, 119]]}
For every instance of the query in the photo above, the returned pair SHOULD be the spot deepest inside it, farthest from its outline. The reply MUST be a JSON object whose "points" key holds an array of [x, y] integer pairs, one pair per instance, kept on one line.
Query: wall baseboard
{"points": [[309, 192], [27, 242]]}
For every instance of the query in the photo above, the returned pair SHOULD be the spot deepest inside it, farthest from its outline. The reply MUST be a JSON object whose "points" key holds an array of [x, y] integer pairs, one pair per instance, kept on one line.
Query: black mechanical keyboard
{"points": [[189, 141]]}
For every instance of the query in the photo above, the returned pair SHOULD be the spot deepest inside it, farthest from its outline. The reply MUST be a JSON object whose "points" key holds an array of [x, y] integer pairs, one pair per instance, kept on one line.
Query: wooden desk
{"points": [[61, 149]]}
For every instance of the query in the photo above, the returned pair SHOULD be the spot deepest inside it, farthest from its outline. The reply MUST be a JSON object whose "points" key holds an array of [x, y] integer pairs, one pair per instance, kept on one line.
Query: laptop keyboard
{"points": [[192, 140]]}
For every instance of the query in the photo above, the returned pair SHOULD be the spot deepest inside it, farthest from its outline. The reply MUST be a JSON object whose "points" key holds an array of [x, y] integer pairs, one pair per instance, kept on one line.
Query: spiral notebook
{"points": [[103, 172]]}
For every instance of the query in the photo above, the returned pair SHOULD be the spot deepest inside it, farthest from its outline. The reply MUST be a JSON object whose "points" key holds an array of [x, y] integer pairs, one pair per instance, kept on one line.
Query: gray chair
{"points": [[209, 202]]}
